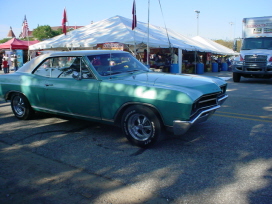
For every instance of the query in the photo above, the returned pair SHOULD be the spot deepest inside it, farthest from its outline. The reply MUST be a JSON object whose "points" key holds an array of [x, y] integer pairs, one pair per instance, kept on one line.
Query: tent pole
{"points": [[147, 50], [180, 60], [135, 51], [195, 61]]}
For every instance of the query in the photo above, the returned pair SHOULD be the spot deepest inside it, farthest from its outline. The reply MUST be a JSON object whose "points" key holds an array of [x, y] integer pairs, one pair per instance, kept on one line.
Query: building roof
{"points": [[10, 34]]}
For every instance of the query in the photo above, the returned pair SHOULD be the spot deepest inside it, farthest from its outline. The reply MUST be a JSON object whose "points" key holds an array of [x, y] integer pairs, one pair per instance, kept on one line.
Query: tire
{"points": [[236, 77], [21, 107], [141, 126]]}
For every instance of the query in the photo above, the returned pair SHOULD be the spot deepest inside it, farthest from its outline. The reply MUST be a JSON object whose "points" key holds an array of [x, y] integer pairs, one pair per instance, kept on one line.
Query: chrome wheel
{"points": [[140, 127], [21, 107], [18, 105]]}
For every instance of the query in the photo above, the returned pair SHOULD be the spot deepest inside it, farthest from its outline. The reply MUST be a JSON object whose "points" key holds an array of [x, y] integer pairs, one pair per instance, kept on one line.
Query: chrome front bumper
{"points": [[181, 127]]}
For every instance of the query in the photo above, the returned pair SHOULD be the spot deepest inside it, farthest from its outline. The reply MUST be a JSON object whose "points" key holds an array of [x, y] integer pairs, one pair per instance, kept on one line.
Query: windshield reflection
{"points": [[257, 43], [116, 63]]}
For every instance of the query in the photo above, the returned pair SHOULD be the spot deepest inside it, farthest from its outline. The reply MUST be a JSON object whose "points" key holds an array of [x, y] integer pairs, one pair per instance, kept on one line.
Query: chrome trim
{"points": [[222, 99], [180, 127], [71, 114]]}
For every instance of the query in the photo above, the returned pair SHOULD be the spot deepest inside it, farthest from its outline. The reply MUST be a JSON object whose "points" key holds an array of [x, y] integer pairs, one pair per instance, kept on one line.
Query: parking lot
{"points": [[227, 159]]}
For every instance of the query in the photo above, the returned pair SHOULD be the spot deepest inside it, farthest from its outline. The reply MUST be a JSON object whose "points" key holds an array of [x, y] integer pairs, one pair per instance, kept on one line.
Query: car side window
{"points": [[64, 67], [45, 68]]}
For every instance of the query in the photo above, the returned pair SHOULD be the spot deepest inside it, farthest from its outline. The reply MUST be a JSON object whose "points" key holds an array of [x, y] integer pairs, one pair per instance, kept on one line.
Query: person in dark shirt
{"points": [[1, 58]]}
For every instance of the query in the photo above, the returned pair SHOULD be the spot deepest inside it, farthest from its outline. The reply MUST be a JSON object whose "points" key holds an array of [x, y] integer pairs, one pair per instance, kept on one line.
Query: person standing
{"points": [[9, 62], [1, 58], [175, 58], [15, 63], [5, 65], [145, 57]]}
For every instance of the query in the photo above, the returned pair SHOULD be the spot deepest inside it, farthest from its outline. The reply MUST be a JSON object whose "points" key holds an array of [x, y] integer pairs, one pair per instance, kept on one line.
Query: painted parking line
{"points": [[244, 116]]}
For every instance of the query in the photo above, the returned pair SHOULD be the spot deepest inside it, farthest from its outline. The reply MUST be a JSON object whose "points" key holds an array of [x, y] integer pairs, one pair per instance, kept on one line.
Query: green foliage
{"points": [[229, 43], [28, 39], [4, 40], [44, 32], [57, 32]]}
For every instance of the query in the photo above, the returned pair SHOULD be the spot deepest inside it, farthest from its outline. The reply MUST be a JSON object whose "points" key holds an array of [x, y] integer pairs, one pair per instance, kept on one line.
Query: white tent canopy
{"points": [[118, 29], [214, 47]]}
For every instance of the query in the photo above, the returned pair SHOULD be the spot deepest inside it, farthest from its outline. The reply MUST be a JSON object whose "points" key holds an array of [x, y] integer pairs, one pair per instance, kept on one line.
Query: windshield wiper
{"points": [[113, 73], [134, 70]]}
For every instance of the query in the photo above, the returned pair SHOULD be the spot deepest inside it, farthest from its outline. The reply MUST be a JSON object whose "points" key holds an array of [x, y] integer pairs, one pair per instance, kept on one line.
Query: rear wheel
{"points": [[236, 77], [21, 107], [141, 126]]}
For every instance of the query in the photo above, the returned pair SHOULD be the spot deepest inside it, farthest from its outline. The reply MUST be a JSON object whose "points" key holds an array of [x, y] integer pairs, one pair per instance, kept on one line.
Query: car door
{"points": [[72, 90]]}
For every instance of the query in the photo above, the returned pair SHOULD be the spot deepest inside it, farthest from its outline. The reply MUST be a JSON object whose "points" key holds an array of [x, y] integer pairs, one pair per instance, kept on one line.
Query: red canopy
{"points": [[16, 44]]}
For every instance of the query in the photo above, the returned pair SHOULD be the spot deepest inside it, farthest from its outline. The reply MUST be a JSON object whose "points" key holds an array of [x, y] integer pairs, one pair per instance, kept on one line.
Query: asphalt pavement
{"points": [[28, 177], [225, 160]]}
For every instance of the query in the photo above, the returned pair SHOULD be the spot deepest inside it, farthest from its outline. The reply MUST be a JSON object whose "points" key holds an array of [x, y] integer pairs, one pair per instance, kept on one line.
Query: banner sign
{"points": [[19, 54], [111, 46]]}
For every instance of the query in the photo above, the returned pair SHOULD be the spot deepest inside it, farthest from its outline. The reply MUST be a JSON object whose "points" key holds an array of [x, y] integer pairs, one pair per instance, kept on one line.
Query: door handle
{"points": [[48, 84]]}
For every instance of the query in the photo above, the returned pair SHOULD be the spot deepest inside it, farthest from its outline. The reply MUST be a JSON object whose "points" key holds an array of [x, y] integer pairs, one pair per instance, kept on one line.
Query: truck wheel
{"points": [[236, 77], [141, 126], [21, 107]]}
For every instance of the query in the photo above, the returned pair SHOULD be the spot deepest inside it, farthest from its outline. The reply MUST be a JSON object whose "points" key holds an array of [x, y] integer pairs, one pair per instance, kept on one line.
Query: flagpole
{"points": [[134, 25], [28, 45], [135, 52], [147, 51]]}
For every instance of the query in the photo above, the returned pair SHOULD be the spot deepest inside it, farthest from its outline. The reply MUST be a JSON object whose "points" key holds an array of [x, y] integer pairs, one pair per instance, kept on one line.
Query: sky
{"points": [[217, 19]]}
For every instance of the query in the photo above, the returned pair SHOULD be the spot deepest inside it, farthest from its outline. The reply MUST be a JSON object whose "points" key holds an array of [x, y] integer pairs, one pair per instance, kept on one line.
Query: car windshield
{"points": [[257, 43], [116, 63]]}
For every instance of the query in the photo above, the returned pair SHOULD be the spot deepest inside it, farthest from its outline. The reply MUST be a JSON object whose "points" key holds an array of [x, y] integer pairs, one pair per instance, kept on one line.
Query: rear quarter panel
{"points": [[27, 84]]}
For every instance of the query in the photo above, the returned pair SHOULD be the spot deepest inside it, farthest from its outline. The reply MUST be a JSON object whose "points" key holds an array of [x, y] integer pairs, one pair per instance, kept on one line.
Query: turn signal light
{"points": [[270, 60], [241, 58]]}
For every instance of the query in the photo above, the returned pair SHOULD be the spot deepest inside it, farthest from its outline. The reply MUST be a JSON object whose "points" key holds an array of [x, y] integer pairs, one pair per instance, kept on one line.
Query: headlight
{"points": [[238, 63]]}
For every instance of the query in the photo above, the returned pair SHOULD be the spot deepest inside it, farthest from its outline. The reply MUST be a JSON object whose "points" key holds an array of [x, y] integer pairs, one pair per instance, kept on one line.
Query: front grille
{"points": [[255, 62], [208, 100]]}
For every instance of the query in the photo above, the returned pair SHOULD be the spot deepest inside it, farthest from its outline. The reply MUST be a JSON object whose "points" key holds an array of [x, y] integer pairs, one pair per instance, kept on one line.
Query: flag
{"points": [[134, 19], [64, 20], [24, 29]]}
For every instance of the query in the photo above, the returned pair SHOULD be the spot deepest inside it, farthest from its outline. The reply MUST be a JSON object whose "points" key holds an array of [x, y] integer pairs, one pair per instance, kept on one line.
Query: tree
{"points": [[28, 39], [229, 44], [44, 32], [4, 40]]}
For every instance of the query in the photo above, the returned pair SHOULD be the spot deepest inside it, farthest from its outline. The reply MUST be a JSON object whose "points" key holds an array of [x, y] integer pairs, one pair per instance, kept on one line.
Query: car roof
{"points": [[29, 66]]}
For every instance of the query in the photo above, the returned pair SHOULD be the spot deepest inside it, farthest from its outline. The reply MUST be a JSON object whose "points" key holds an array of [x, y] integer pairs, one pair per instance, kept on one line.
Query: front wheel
{"points": [[141, 126], [236, 77], [21, 107]]}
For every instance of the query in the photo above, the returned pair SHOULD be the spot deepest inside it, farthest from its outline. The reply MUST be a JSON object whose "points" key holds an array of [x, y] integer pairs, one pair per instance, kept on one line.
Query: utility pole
{"points": [[231, 33], [197, 18]]}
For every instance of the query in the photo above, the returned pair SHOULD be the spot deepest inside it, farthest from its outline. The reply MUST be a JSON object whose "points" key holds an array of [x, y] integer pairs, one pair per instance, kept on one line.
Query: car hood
{"points": [[180, 82]]}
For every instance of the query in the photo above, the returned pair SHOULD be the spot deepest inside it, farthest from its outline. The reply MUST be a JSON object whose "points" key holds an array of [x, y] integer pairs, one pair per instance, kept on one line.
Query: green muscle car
{"points": [[115, 88]]}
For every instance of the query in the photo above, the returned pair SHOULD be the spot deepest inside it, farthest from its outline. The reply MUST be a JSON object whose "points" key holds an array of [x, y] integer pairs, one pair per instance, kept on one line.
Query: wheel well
{"points": [[10, 93], [118, 117]]}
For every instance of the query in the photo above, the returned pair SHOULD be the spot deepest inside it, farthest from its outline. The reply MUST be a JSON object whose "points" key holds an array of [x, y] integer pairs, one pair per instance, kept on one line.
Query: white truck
{"points": [[255, 58]]}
